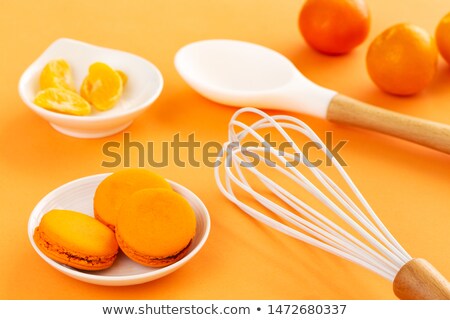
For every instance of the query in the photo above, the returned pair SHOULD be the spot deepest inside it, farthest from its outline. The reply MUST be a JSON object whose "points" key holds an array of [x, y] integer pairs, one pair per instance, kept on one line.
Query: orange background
{"points": [[407, 185]]}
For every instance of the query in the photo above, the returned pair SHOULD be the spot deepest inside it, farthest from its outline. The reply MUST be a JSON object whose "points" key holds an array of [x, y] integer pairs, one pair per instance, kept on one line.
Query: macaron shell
{"points": [[76, 239], [112, 192], [155, 225]]}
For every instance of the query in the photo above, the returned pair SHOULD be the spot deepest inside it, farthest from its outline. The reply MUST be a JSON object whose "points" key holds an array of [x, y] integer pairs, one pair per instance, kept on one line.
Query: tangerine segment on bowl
{"points": [[76, 239], [116, 188], [155, 227], [57, 74], [443, 37], [334, 26], [124, 77], [102, 87], [62, 101], [402, 60]]}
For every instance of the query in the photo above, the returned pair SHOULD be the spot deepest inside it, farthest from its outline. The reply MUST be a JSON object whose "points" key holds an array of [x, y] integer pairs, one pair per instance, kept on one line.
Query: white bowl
{"points": [[144, 85], [78, 196]]}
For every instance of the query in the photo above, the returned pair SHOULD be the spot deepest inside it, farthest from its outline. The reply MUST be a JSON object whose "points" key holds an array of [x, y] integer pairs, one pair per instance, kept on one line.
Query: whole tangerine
{"points": [[402, 60], [334, 26], [443, 37]]}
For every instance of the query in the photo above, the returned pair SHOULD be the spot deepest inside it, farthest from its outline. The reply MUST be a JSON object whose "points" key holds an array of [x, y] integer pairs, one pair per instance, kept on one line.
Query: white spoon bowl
{"points": [[239, 73]]}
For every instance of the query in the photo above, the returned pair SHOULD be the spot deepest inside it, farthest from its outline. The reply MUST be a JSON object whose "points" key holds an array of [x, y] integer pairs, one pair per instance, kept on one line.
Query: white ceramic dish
{"points": [[144, 85], [78, 195]]}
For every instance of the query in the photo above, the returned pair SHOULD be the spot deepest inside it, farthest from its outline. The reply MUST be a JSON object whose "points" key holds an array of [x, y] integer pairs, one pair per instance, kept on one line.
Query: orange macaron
{"points": [[76, 240], [112, 191], [155, 227]]}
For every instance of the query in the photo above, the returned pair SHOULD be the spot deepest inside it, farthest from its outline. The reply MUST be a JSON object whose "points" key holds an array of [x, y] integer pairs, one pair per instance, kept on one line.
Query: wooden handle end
{"points": [[419, 280]]}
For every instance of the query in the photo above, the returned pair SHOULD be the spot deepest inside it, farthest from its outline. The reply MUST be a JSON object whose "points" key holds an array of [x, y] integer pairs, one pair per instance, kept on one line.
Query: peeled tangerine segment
{"points": [[63, 101], [102, 87], [123, 76], [57, 74]]}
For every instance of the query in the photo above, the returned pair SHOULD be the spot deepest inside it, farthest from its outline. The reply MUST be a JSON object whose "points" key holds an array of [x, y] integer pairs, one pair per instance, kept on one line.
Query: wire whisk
{"points": [[371, 245]]}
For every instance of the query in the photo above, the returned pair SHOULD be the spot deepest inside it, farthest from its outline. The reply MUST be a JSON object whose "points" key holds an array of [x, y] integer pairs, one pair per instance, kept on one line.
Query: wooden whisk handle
{"points": [[343, 109], [419, 280]]}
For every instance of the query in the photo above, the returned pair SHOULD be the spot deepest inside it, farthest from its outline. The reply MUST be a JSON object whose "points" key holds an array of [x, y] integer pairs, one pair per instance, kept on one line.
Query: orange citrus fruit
{"points": [[56, 74], [443, 37], [402, 60], [63, 101], [334, 26], [123, 76], [102, 87]]}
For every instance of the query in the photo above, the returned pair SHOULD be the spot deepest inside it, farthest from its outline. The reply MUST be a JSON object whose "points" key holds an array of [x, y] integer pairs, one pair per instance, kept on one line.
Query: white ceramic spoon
{"points": [[244, 74]]}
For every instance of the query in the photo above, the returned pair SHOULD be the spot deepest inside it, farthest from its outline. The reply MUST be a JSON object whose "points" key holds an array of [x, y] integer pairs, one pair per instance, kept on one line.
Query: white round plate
{"points": [[78, 196]]}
